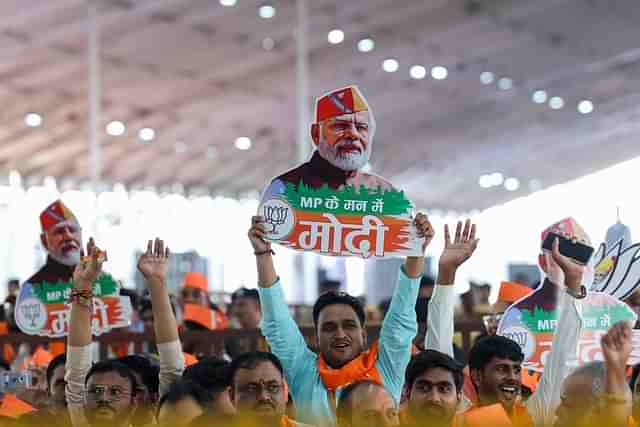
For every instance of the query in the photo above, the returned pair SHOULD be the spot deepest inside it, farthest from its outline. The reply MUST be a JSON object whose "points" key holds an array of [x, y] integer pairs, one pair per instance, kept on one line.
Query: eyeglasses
{"points": [[272, 388], [109, 393]]}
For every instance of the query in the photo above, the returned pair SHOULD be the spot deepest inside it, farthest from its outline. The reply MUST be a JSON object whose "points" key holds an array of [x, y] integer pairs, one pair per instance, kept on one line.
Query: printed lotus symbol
{"points": [[276, 216]]}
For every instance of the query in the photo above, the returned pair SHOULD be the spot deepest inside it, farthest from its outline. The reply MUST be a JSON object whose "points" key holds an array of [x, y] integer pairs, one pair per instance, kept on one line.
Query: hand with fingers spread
{"points": [[456, 251], [257, 235], [573, 271], [89, 268], [425, 230], [617, 346], [154, 263]]}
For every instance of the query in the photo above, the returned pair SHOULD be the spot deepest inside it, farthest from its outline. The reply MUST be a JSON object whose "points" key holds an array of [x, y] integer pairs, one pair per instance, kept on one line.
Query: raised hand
{"points": [[257, 235], [460, 249], [154, 263], [616, 346], [89, 268], [573, 271], [425, 230]]}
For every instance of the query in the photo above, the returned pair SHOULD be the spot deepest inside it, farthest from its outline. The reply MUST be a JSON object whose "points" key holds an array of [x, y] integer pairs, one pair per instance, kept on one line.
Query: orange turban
{"points": [[55, 214], [347, 100]]}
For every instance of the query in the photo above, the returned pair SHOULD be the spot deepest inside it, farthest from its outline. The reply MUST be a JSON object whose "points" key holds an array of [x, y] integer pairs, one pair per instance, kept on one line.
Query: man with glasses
{"points": [[259, 391], [103, 394], [110, 395]]}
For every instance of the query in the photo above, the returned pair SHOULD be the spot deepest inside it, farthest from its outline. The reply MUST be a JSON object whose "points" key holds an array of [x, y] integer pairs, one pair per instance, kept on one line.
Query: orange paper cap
{"points": [[569, 228], [196, 280], [347, 100], [41, 358], [55, 214], [14, 407], [512, 292], [201, 315]]}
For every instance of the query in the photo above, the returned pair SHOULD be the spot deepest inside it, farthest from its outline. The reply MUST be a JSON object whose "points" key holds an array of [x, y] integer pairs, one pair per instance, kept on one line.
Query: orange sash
{"points": [[361, 368]]}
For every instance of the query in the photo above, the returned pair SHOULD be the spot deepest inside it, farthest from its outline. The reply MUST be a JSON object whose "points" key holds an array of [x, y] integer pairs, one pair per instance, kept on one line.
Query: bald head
{"points": [[366, 403]]}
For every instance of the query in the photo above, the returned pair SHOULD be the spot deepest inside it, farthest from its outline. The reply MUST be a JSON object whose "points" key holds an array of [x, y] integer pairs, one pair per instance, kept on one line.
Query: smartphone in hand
{"points": [[577, 251]]}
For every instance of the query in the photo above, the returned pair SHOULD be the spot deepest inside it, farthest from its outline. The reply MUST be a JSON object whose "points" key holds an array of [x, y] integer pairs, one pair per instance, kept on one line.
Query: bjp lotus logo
{"points": [[279, 217]]}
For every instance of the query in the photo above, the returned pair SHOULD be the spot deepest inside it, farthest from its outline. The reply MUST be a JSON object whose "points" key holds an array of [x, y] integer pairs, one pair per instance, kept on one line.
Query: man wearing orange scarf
{"points": [[259, 391], [316, 380]]}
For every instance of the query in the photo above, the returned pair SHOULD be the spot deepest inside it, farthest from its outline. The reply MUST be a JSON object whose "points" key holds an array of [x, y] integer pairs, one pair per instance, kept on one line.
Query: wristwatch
{"points": [[581, 294]]}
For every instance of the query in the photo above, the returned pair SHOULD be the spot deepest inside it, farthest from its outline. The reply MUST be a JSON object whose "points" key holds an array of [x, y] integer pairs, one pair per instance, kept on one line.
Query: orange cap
{"points": [[41, 358], [512, 292], [196, 280], [347, 100], [54, 214]]}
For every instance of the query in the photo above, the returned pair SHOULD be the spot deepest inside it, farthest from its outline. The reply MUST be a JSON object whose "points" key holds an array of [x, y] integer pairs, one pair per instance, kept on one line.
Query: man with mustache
{"points": [[259, 391], [343, 137], [62, 239], [339, 320], [107, 395]]}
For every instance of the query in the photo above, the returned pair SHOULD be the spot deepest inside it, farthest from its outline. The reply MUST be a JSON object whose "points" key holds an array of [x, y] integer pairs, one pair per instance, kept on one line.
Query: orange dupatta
{"points": [[360, 368]]}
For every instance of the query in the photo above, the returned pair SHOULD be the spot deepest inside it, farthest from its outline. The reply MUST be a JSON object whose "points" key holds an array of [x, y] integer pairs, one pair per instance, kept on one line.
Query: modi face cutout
{"points": [[343, 129], [61, 234]]}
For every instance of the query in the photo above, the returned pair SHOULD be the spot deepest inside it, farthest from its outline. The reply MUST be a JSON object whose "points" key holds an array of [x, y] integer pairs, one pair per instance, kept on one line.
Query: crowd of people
{"points": [[409, 375]]}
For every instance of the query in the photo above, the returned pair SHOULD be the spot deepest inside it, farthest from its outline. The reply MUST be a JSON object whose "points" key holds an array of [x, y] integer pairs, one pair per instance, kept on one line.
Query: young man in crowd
{"points": [[55, 413], [212, 374], [315, 379], [146, 373], [495, 362], [245, 308], [259, 390], [366, 403], [184, 402], [115, 387], [433, 383]]}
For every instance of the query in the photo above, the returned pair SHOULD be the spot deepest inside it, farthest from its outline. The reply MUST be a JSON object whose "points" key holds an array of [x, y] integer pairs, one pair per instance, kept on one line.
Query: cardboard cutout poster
{"points": [[533, 320], [329, 205], [616, 266], [43, 309]]}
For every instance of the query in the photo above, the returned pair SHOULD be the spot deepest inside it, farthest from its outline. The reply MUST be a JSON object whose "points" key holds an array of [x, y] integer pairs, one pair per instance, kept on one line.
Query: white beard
{"points": [[71, 258], [349, 161]]}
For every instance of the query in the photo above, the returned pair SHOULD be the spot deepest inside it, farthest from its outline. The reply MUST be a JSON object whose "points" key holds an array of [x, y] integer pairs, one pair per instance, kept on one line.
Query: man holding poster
{"points": [[315, 380]]}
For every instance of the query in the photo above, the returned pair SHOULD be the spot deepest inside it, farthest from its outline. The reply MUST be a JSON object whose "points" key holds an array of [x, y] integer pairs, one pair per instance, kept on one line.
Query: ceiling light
{"points": [[267, 11], [366, 45], [243, 143], [485, 181], [228, 3], [418, 72], [496, 178], [487, 77], [439, 72], [505, 83], [147, 134], [335, 36], [556, 103], [33, 120], [115, 128], [585, 107], [539, 97], [390, 65], [268, 43], [511, 184]]}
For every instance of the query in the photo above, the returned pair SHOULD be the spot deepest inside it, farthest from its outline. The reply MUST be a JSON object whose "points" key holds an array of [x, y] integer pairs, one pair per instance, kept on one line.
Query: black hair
{"points": [[112, 365], [146, 368], [60, 359], [251, 360], [429, 359], [245, 293], [4, 365], [183, 389], [344, 407], [210, 373], [331, 298], [485, 349], [427, 282]]}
